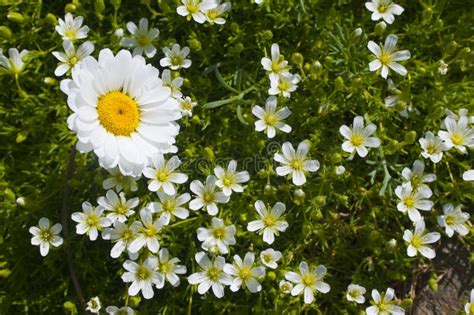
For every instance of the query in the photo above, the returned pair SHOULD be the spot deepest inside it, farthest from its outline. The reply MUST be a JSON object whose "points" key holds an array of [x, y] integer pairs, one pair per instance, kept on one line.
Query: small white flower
{"points": [[270, 257], [194, 9], [285, 286], [212, 275], [442, 67], [141, 39], [15, 64], [186, 106], [149, 233], [91, 220], [229, 180], [71, 27], [387, 57], [169, 268], [416, 177], [174, 84], [359, 137], [384, 9], [218, 237], [206, 196], [469, 307], [277, 65], [412, 201], [122, 235], [45, 235], [214, 15], [70, 58], [458, 135], [118, 33], [245, 274], [270, 223], [433, 147], [355, 293], [383, 304], [340, 170], [120, 181], [284, 84], [468, 175], [175, 58], [271, 119], [296, 164], [120, 209], [162, 174], [124, 310], [170, 206], [454, 220], [142, 275], [94, 305], [418, 239], [308, 281], [20, 201]]}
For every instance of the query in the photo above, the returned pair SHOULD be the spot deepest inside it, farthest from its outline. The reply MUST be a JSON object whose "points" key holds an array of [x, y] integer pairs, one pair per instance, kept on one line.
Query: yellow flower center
{"points": [[208, 197], [267, 258], [118, 113], [431, 149], [192, 7], [70, 33], [46, 235], [176, 60], [284, 85], [213, 273], [186, 105], [150, 230], [121, 209], [382, 7], [277, 66], [143, 273], [168, 206], [92, 220], [218, 232], [409, 202], [357, 139], [270, 119], [245, 273], [127, 235], [228, 180], [308, 279], [457, 138], [164, 267], [416, 181], [354, 293], [383, 307], [385, 58], [296, 164], [416, 241], [143, 40], [212, 14], [162, 175], [73, 60], [269, 220], [449, 219]]}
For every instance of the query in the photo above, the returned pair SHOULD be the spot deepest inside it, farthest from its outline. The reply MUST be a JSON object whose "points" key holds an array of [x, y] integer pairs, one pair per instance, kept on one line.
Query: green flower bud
{"points": [[451, 47], [336, 158], [267, 35], [329, 59], [50, 19], [243, 217], [209, 154], [9, 195], [427, 15], [70, 7], [70, 307], [410, 137], [21, 136], [195, 119], [50, 81], [406, 303], [316, 68], [116, 3], [195, 44], [464, 53], [189, 153], [438, 112], [271, 275], [4, 273], [319, 201], [16, 17], [433, 283], [297, 58], [238, 48], [134, 301], [99, 6], [234, 27], [5, 32], [380, 28], [339, 84], [316, 214]]}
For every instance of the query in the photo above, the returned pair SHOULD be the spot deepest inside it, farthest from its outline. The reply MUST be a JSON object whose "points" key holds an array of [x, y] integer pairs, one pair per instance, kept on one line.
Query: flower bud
{"points": [[267, 35], [392, 243], [115, 3], [380, 28], [70, 307], [410, 137], [427, 15], [118, 33], [9, 195], [51, 19], [99, 6], [316, 68], [271, 275], [297, 58], [5, 32], [209, 154], [464, 53], [340, 170], [358, 32], [50, 81], [452, 47], [20, 201], [339, 84], [194, 44], [70, 7], [234, 27], [299, 194], [16, 17], [134, 301]]}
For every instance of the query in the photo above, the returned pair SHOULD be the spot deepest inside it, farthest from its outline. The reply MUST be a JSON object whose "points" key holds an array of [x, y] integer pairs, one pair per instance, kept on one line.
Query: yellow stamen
{"points": [[118, 113]]}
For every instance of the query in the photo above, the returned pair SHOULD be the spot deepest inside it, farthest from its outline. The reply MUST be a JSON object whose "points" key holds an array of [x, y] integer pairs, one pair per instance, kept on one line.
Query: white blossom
{"points": [[270, 257], [270, 223], [359, 137], [386, 57], [45, 235], [175, 58], [91, 220], [119, 208], [162, 174], [308, 281], [218, 237], [71, 27], [458, 134], [229, 179], [170, 206], [284, 85], [70, 57], [271, 119], [384, 9], [416, 176], [169, 269], [244, 273], [418, 239], [433, 147], [94, 305], [15, 63], [211, 275], [206, 196], [275, 66], [122, 235], [120, 181], [384, 304], [149, 232], [355, 293], [195, 9], [142, 275], [295, 163], [411, 201], [142, 38], [454, 220]]}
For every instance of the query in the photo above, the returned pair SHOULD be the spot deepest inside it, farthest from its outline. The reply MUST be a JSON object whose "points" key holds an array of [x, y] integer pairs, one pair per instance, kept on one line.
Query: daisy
{"points": [[387, 57], [186, 106], [214, 15], [175, 58], [411, 201], [383, 304], [15, 64], [285, 286], [142, 275], [141, 39], [355, 293], [276, 66], [384, 9], [454, 220], [468, 175], [218, 237], [119, 181], [170, 206], [458, 135], [295, 164], [122, 235], [121, 111], [359, 137], [433, 147], [174, 84], [169, 269], [206, 196], [308, 281], [229, 180], [418, 239], [119, 208], [284, 84], [270, 119], [45, 235], [91, 220], [70, 57], [469, 307], [124, 310], [245, 274], [269, 258], [212, 275], [71, 27], [149, 233], [416, 177], [270, 223], [94, 305], [162, 174]]}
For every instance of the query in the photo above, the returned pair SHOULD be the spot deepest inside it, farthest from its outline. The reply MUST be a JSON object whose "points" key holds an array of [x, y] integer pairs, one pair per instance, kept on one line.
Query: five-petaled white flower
{"points": [[416, 177], [458, 134], [162, 174], [387, 57], [149, 232], [276, 66], [384, 304], [142, 275], [214, 14], [71, 27], [384, 9], [141, 39], [454, 220], [45, 235], [170, 206], [94, 305], [119, 181], [119, 208], [212, 275], [217, 237], [169, 269], [175, 58], [295, 164], [15, 64], [359, 137], [433, 147], [124, 310], [245, 274], [412, 201], [308, 281], [195, 9], [270, 118], [174, 84], [91, 220], [418, 240], [355, 293], [284, 84], [206, 196], [469, 307], [270, 257], [270, 223], [122, 235], [186, 106], [70, 57], [229, 179], [285, 286]]}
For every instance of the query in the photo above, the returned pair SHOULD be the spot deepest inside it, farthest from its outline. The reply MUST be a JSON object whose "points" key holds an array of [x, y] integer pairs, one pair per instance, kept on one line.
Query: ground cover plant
{"points": [[235, 157]]}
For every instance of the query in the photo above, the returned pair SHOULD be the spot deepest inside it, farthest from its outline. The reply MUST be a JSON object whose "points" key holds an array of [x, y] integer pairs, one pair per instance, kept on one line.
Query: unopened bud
{"points": [[380, 28], [51, 19], [16, 17], [5, 32], [297, 58]]}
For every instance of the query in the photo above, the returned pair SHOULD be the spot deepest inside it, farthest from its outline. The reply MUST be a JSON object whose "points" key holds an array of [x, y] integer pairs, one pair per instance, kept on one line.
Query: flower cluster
{"points": [[211, 11]]}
